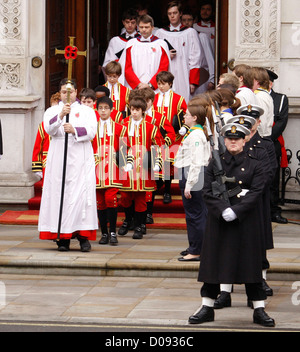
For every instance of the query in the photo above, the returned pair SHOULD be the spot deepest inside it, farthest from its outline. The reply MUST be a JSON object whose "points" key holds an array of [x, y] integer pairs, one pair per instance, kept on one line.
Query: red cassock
{"points": [[176, 108], [40, 150], [123, 94], [107, 156], [143, 152], [107, 151]]}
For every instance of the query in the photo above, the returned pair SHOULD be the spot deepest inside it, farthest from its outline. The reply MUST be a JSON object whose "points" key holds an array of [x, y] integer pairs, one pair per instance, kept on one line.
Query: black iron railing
{"points": [[287, 176]]}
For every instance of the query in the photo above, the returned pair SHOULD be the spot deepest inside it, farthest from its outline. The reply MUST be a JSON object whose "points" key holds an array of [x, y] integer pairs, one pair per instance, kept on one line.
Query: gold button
{"points": [[242, 169], [240, 182]]}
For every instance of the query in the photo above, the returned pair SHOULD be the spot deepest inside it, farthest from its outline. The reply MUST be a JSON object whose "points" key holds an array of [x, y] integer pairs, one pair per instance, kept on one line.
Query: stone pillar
{"points": [[22, 38]]}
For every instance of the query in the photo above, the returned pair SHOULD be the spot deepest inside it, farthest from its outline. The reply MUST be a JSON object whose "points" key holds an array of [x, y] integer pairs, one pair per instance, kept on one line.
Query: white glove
{"points": [[183, 131], [128, 167], [39, 174], [156, 168], [229, 215]]}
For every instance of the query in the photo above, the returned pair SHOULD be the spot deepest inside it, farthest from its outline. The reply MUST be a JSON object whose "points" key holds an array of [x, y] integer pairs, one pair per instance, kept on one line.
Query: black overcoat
{"points": [[232, 251], [263, 149]]}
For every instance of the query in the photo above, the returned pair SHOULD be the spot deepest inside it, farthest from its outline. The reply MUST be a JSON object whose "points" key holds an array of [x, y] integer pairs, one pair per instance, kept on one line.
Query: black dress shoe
{"points": [[223, 301], [195, 259], [124, 228], [85, 245], [104, 239], [205, 315], [167, 198], [63, 245], [149, 219], [138, 234], [279, 219], [261, 317], [113, 239], [267, 288], [184, 253]]}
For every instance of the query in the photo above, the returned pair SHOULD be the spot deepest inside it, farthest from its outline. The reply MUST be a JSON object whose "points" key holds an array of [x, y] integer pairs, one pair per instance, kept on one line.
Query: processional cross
{"points": [[71, 53]]}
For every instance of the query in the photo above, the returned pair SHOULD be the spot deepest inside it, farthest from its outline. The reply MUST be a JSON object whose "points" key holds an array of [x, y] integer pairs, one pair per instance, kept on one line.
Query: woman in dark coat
{"points": [[232, 246]]}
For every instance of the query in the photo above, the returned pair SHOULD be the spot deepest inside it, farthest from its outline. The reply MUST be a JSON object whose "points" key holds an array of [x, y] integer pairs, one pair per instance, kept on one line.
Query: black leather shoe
{"points": [[113, 239], [223, 301], [167, 198], [144, 229], [63, 245], [85, 245], [267, 288], [124, 228], [184, 253], [261, 317], [205, 315], [149, 219], [104, 239], [138, 234], [279, 219]]}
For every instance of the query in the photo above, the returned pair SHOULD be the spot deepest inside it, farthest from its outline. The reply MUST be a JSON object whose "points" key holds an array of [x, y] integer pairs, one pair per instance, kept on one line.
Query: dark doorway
{"points": [[93, 23]]}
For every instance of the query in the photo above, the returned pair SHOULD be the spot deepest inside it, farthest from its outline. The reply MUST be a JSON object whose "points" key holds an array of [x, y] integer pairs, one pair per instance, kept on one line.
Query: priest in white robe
{"points": [[144, 57], [79, 216]]}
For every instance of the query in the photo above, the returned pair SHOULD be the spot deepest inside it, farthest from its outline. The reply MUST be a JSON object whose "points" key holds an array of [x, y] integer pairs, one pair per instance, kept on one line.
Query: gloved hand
{"points": [[39, 174], [183, 131], [229, 215], [156, 168], [128, 167]]}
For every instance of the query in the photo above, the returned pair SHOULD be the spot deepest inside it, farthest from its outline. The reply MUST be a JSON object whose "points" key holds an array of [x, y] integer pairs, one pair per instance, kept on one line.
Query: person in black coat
{"points": [[281, 114], [233, 246]]}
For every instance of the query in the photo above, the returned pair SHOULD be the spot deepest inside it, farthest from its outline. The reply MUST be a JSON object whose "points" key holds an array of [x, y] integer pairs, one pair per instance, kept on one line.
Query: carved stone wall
{"points": [[258, 31], [12, 47]]}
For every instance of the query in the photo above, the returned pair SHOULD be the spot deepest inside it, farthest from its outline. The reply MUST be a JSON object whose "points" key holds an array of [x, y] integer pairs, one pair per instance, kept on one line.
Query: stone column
{"points": [[22, 38]]}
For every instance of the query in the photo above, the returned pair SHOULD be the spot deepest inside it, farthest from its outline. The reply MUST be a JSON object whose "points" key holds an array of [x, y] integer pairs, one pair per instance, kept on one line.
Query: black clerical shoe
{"points": [[167, 198], [63, 245], [138, 233], [261, 317], [104, 239], [113, 239], [205, 315], [223, 301], [267, 288], [279, 219], [85, 245]]}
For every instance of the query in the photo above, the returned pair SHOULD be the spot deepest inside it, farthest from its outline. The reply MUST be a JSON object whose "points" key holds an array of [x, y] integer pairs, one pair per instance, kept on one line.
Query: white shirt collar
{"points": [[166, 100], [172, 28], [132, 127], [108, 127], [116, 90]]}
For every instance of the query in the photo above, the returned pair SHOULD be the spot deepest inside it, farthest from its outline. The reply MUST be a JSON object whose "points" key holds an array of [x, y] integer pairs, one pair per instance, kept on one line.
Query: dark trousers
{"points": [[195, 216], [255, 291]]}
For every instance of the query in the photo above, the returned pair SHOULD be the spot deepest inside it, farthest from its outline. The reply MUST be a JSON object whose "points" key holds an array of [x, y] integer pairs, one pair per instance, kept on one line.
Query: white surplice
{"points": [[79, 208], [187, 60]]}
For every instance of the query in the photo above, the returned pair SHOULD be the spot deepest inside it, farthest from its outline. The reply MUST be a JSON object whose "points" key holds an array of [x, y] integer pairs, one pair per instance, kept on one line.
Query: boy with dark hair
{"points": [[118, 43], [106, 145], [173, 106]]}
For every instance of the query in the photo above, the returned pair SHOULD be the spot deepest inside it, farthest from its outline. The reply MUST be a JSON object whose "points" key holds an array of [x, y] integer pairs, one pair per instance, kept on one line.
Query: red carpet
{"points": [[168, 216], [30, 217]]}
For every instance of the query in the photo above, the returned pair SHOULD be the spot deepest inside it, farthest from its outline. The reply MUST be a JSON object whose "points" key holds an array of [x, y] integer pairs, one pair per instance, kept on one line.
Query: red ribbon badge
{"points": [[71, 52]]}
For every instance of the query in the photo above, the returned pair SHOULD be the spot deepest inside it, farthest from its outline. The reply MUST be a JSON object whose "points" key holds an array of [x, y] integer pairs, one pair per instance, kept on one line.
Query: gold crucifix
{"points": [[71, 53]]}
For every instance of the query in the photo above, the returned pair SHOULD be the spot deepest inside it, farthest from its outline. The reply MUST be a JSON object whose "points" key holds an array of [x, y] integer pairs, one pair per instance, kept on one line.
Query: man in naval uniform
{"points": [[232, 246]]}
